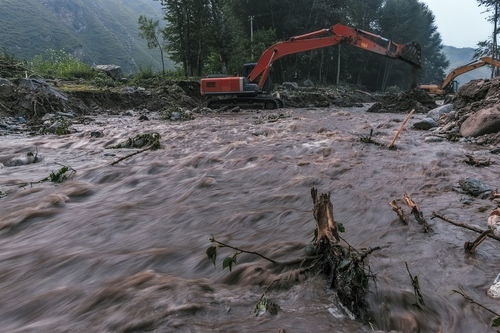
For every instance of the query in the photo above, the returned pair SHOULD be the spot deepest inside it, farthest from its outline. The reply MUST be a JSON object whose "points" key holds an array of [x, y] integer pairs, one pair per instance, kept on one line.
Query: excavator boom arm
{"points": [[338, 34], [467, 68]]}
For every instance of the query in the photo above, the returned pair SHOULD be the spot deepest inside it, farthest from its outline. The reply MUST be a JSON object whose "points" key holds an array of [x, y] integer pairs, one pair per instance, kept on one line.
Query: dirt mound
{"points": [[300, 97], [32, 99], [404, 102]]}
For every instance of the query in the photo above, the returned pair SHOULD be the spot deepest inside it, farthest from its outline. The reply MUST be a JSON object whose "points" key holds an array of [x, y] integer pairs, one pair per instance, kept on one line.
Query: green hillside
{"points": [[461, 56], [97, 31]]}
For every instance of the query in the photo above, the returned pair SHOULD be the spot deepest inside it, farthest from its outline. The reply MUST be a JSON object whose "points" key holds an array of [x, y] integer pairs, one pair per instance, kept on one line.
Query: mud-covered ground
{"points": [[122, 248]]}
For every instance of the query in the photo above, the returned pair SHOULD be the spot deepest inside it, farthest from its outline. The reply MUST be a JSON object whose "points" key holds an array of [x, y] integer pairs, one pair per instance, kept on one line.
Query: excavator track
{"points": [[265, 101]]}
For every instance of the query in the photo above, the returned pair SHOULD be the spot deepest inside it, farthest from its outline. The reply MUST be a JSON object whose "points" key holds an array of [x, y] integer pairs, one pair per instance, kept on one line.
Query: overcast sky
{"points": [[462, 23]]}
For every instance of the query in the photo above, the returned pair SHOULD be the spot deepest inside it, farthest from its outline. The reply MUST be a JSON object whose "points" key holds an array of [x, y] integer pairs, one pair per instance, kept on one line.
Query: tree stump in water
{"points": [[342, 264], [326, 230]]}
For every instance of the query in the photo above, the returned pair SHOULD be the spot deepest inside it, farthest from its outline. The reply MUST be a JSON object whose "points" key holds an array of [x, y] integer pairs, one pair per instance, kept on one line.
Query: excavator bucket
{"points": [[412, 54]]}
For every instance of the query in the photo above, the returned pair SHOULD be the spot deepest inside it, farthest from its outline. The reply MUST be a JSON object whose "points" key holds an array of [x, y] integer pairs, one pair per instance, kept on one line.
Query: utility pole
{"points": [[251, 34], [338, 65]]}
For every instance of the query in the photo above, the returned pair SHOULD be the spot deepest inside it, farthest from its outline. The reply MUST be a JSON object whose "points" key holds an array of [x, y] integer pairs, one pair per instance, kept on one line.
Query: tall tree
{"points": [[149, 30], [188, 30], [490, 47], [411, 20], [212, 36]]}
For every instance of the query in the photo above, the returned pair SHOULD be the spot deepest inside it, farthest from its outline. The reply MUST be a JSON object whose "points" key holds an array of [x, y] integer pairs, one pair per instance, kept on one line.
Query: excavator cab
{"points": [[453, 87], [248, 68]]}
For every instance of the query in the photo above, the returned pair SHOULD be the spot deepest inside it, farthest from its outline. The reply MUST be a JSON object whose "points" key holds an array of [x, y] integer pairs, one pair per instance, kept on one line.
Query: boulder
{"points": [[482, 122], [290, 85], [475, 187], [439, 111], [474, 90], [113, 71], [308, 83], [96, 134], [6, 88], [425, 124], [432, 139]]}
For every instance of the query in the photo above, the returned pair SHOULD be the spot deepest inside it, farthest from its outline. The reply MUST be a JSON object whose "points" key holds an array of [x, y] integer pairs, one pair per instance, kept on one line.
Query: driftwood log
{"points": [[392, 145], [399, 211], [415, 210], [470, 247]]}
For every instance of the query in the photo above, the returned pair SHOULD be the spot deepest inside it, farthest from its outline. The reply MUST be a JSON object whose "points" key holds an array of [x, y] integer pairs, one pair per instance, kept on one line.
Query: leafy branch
{"points": [[229, 261]]}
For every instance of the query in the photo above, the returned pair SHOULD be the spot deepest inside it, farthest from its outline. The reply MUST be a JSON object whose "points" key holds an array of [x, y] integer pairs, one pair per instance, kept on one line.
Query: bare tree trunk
{"points": [[494, 51], [161, 54]]}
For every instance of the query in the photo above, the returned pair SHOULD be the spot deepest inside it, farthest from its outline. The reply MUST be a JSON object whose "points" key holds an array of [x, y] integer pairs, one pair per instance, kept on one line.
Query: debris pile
{"points": [[11, 67], [176, 113], [476, 113], [404, 102], [162, 97], [32, 99], [140, 141], [294, 96]]}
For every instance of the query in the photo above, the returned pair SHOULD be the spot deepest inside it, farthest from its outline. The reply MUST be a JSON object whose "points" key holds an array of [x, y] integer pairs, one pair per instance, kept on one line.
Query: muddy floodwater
{"points": [[122, 248]]}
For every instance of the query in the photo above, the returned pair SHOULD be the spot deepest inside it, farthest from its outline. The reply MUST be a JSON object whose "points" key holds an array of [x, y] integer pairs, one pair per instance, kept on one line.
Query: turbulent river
{"points": [[122, 248]]}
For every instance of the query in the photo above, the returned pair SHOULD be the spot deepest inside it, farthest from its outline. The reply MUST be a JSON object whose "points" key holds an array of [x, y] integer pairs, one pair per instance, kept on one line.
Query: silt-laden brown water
{"points": [[122, 249]]}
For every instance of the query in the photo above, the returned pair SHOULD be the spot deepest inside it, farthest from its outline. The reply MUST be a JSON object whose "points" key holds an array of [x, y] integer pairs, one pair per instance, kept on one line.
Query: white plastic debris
{"points": [[494, 291]]}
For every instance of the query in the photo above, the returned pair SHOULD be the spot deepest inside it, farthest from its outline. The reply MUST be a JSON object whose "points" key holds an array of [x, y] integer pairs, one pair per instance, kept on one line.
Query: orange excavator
{"points": [[251, 87], [449, 85]]}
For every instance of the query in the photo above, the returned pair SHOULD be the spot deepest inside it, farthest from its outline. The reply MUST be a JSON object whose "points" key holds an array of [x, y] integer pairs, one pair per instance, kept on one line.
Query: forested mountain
{"points": [[219, 30], [461, 56], [96, 31]]}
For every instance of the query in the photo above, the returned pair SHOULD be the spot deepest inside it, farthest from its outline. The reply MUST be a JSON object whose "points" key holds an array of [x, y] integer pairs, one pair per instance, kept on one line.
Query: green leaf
{"points": [[496, 322], [228, 262], [340, 227], [235, 257], [212, 254]]}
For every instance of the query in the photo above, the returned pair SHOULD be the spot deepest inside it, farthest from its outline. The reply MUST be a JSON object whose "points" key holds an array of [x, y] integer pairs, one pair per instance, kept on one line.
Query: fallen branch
{"points": [[342, 265], [369, 139], [416, 288], [496, 321], [415, 210], [401, 128], [133, 154], [213, 240], [398, 210], [463, 225], [470, 247], [370, 251]]}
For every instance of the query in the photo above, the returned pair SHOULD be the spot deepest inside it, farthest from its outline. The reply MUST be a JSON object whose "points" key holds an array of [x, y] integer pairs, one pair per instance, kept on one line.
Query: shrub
{"points": [[60, 64], [145, 73], [102, 80]]}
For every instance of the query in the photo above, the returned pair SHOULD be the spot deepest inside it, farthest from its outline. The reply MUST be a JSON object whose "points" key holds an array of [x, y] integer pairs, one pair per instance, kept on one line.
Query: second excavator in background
{"points": [[449, 85], [251, 86]]}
